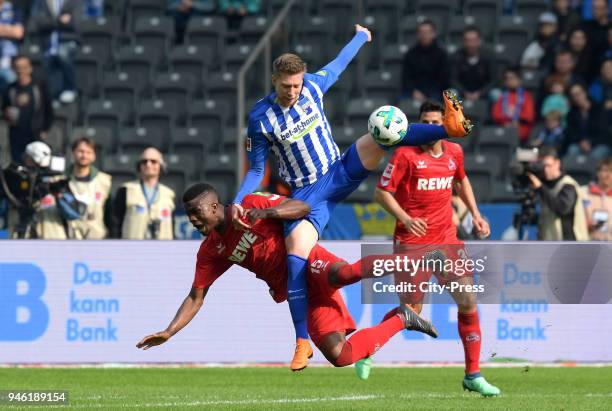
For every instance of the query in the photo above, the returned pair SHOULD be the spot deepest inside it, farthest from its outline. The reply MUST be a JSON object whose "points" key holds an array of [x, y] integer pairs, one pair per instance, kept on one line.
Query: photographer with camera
{"points": [[143, 208], [562, 215], [42, 204], [92, 187], [599, 202]]}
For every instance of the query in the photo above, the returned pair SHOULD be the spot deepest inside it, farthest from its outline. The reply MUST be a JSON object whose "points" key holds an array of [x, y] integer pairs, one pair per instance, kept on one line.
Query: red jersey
{"points": [[423, 187], [260, 250]]}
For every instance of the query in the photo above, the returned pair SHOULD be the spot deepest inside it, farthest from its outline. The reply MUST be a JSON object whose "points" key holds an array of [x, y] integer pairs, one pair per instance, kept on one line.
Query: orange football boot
{"points": [[303, 352], [455, 123]]}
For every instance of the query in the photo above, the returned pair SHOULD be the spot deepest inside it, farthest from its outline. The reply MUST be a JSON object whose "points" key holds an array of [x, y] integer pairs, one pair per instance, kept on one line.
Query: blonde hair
{"points": [[288, 63]]}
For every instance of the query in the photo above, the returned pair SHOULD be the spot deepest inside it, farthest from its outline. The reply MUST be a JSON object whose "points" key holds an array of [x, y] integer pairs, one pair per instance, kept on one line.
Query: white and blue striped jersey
{"points": [[300, 136]]}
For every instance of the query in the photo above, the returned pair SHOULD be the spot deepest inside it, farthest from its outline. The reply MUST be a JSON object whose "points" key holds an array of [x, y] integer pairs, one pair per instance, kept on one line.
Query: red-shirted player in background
{"points": [[261, 249], [416, 187]]}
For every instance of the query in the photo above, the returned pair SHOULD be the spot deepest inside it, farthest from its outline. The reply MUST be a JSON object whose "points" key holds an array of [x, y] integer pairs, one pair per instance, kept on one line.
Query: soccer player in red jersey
{"points": [[261, 249], [416, 187]]}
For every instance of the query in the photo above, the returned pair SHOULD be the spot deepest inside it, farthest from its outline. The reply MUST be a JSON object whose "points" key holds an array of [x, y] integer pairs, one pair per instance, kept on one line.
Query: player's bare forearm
{"points": [[466, 193], [289, 209], [389, 203], [190, 307]]}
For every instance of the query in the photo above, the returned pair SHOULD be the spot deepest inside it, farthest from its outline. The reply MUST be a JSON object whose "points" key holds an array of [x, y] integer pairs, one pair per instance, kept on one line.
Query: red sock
{"points": [[469, 331], [367, 341], [348, 274]]}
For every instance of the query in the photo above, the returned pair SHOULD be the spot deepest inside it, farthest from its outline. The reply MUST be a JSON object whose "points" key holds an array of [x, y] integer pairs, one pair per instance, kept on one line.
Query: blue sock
{"points": [[296, 294], [472, 376], [419, 134], [353, 165]]}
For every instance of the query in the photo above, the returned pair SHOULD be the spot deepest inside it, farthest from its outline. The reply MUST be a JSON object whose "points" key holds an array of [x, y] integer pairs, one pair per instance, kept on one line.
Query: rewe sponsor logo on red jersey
{"points": [[435, 183], [244, 245]]}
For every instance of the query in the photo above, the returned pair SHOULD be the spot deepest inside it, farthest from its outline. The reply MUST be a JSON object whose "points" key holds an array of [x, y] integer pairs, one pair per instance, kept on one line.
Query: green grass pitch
{"points": [[317, 388]]}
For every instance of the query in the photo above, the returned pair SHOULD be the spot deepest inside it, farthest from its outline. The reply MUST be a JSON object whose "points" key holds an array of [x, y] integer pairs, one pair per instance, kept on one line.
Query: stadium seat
{"points": [[192, 142], [252, 29], [441, 9], [502, 192], [144, 8], [335, 103], [208, 115], [311, 54], [65, 117], [104, 113], [221, 172], [532, 80], [500, 143], [390, 11], [514, 30], [223, 88], [35, 54], [208, 32], [123, 163], [359, 109], [121, 87], [479, 169], [365, 192], [506, 55], [189, 59], [485, 14], [411, 109], [154, 32], [456, 25], [316, 30], [176, 180], [581, 167], [296, 14], [100, 34], [393, 58], [530, 7], [339, 12], [224, 191], [139, 62], [382, 84], [347, 135], [188, 164], [158, 114], [134, 140], [87, 71], [378, 26], [235, 56], [477, 111], [106, 142], [175, 89]]}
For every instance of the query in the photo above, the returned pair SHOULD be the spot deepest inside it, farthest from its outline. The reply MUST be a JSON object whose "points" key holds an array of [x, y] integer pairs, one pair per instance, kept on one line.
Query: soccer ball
{"points": [[388, 125]]}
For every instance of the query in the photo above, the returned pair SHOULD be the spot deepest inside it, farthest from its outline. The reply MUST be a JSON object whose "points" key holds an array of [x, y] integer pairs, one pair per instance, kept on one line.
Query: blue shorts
{"points": [[323, 195]]}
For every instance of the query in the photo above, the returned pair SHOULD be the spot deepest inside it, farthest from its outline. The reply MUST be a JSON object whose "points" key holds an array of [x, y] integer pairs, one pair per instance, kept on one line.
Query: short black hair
{"points": [[471, 27], [513, 69], [548, 151], [429, 106], [84, 140], [429, 22], [196, 190]]}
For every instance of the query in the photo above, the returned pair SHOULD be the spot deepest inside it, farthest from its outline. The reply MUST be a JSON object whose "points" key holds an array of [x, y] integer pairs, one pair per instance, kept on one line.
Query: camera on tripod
{"points": [[526, 161]]}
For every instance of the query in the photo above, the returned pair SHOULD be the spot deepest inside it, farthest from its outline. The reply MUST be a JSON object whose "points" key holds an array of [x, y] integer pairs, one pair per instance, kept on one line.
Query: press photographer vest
{"points": [[94, 194], [138, 216], [549, 228], [50, 225]]}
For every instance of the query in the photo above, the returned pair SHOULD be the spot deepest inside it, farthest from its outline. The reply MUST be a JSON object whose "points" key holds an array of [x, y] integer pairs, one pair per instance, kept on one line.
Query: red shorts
{"points": [[327, 312]]}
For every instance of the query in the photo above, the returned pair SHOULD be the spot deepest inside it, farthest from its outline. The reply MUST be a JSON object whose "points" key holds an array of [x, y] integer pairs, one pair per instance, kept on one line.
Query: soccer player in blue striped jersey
{"points": [[291, 123]]}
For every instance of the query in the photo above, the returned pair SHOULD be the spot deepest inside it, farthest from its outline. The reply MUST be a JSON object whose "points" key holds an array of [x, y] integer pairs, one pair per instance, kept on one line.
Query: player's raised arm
{"points": [[190, 307], [288, 209], [328, 75]]}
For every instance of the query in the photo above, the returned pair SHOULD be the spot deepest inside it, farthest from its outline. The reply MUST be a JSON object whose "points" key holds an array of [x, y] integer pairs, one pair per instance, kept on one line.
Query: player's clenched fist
{"points": [[416, 226], [481, 227], [238, 214], [359, 28], [153, 340]]}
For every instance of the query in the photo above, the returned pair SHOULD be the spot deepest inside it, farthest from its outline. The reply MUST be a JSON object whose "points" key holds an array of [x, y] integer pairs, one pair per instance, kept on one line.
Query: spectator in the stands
{"points": [[599, 203], [472, 67], [552, 134], [27, 108], [183, 10], [235, 10], [556, 101], [57, 22], [425, 70], [94, 8], [563, 71], [539, 53], [566, 17], [597, 29], [11, 32], [577, 44], [586, 128], [514, 108], [600, 91]]}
